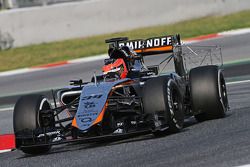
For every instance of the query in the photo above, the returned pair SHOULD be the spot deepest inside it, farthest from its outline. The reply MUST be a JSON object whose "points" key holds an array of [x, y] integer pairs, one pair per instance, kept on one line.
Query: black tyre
{"points": [[162, 100], [208, 93], [26, 117]]}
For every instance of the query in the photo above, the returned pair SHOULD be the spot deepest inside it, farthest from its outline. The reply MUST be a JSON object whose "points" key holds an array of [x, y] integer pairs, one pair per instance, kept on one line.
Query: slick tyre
{"points": [[208, 93], [162, 100], [26, 117]]}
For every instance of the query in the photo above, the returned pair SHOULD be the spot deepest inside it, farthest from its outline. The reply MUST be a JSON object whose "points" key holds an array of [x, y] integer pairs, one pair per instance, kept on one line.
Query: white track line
{"points": [[19, 71], [247, 165], [6, 109], [88, 59], [235, 32], [4, 151], [238, 82]]}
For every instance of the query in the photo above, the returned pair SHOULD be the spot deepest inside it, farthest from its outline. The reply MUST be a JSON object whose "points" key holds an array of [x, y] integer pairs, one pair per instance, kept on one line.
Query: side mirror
{"points": [[154, 69], [108, 61]]}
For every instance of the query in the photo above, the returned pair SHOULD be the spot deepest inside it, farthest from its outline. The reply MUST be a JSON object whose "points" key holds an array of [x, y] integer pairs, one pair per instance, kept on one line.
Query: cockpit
{"points": [[124, 62]]}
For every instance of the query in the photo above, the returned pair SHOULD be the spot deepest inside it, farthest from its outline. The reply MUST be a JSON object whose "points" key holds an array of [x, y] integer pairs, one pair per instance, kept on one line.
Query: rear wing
{"points": [[155, 45], [150, 46]]}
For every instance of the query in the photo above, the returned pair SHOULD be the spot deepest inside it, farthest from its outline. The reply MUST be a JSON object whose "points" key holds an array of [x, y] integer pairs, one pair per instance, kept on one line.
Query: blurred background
{"points": [[11, 4], [27, 22]]}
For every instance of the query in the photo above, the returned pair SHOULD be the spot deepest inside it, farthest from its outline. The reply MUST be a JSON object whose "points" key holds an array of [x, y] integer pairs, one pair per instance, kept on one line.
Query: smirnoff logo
{"points": [[149, 43]]}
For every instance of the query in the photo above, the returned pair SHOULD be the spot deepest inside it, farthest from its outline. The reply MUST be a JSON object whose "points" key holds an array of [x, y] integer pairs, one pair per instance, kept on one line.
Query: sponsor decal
{"points": [[86, 120], [89, 105], [91, 97], [148, 43], [87, 114], [49, 134]]}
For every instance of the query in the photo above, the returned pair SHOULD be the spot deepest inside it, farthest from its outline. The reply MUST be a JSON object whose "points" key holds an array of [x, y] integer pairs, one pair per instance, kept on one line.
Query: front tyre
{"points": [[26, 117]]}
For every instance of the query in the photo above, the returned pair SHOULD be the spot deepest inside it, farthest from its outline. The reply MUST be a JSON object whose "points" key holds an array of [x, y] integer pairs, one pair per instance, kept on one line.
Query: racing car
{"points": [[127, 99]]}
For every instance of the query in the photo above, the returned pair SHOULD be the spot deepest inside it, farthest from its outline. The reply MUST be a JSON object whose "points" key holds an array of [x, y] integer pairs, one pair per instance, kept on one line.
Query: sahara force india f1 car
{"points": [[128, 99]]}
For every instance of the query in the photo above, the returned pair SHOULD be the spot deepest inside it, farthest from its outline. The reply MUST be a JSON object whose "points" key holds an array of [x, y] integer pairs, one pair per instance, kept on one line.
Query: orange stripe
{"points": [[164, 48], [100, 116], [74, 123], [122, 84]]}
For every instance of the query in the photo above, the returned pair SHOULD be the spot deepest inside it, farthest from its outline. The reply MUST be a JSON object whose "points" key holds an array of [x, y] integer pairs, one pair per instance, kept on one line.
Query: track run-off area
{"points": [[221, 142]]}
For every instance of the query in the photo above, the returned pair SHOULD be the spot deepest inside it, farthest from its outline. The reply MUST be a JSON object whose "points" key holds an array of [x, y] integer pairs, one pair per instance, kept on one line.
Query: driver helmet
{"points": [[118, 66]]}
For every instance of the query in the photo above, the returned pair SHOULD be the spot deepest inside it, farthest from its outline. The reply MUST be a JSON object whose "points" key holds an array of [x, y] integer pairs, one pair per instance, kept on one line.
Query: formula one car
{"points": [[127, 99]]}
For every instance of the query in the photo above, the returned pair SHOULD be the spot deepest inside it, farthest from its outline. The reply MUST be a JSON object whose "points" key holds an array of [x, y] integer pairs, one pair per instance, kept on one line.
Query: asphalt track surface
{"points": [[221, 142]]}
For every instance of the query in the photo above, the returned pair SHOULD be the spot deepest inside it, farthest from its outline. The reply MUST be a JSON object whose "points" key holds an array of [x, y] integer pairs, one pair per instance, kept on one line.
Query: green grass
{"points": [[81, 47]]}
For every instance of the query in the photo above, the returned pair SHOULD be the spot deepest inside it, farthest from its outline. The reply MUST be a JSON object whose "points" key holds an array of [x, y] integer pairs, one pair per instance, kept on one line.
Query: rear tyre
{"points": [[26, 117], [162, 101], [208, 93]]}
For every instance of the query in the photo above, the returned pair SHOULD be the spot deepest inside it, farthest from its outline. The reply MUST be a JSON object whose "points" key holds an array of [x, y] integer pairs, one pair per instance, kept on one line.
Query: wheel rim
{"points": [[223, 92], [44, 105], [175, 106], [177, 109]]}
